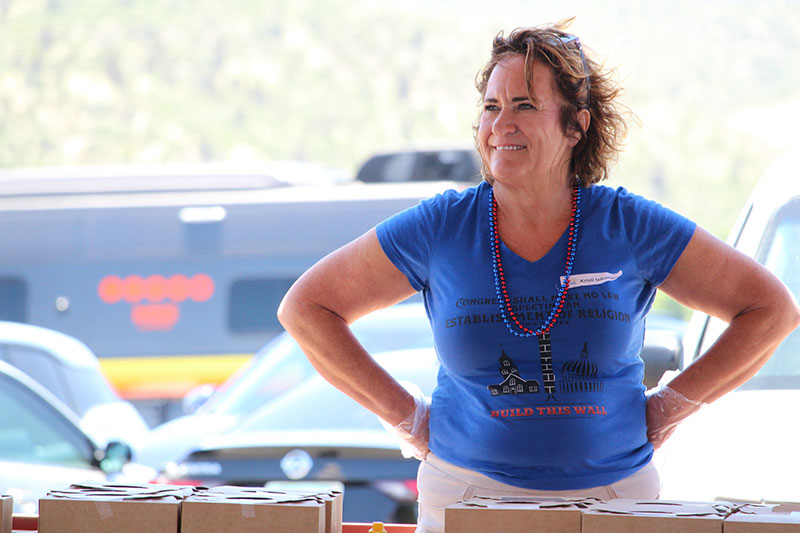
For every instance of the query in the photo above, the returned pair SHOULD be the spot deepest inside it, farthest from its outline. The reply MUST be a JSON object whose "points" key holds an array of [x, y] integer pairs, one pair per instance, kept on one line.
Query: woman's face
{"points": [[521, 140]]}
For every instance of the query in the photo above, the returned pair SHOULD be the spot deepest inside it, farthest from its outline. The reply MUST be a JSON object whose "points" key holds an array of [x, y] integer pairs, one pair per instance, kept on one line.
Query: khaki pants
{"points": [[441, 484]]}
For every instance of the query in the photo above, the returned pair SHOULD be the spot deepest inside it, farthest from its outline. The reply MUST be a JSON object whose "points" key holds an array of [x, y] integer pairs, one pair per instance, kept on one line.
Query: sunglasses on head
{"points": [[568, 39]]}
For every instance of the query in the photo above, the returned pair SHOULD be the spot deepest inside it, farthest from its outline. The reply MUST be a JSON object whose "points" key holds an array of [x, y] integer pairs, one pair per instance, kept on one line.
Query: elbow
{"points": [[298, 309], [787, 315], [794, 314], [288, 309]]}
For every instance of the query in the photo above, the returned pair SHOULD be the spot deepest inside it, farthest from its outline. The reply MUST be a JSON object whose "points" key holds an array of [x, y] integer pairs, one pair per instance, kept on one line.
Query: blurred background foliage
{"points": [[713, 83]]}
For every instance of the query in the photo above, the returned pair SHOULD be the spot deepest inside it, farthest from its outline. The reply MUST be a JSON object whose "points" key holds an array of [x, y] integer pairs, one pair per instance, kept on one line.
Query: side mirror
{"points": [[116, 455], [662, 351]]}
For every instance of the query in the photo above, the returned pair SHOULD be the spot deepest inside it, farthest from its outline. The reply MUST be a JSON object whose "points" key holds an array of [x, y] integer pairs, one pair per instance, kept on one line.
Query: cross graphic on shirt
{"points": [[546, 360]]}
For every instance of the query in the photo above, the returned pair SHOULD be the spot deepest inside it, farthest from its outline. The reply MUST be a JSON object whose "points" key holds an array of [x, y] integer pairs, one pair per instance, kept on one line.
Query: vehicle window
{"points": [[780, 253], [455, 165], [281, 367], [387, 167], [383, 335], [43, 367], [399, 167], [253, 302], [322, 405], [88, 388], [325, 407], [32, 431], [12, 299], [281, 364], [434, 165]]}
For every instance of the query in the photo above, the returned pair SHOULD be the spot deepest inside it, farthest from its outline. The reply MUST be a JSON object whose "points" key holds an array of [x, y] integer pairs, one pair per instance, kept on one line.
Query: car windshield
{"points": [[324, 407], [280, 365], [89, 388], [780, 253]]}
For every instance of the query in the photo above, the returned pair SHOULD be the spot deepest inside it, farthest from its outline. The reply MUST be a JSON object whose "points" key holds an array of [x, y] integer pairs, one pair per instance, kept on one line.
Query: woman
{"points": [[537, 283]]}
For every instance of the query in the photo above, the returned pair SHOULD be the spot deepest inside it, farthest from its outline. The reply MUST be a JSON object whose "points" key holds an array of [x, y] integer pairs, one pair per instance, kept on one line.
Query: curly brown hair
{"points": [[582, 82]]}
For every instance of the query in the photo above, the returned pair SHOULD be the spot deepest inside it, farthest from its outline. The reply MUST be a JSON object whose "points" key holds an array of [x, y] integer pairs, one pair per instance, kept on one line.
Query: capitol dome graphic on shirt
{"points": [[580, 375]]}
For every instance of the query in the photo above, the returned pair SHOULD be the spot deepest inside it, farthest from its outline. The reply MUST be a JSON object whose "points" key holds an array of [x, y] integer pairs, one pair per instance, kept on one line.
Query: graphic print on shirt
{"points": [[577, 375], [580, 375], [513, 382], [546, 361]]}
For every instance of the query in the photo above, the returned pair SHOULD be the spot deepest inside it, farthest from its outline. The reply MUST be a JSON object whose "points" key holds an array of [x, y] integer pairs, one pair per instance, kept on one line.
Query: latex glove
{"points": [[666, 407], [413, 431]]}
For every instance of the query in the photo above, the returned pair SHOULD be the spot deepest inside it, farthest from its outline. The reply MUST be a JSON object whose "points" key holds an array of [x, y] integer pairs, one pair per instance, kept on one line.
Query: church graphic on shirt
{"points": [[512, 382]]}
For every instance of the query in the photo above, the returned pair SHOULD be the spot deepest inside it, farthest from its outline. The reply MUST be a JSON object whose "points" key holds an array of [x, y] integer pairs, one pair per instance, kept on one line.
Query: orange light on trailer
{"points": [[133, 289], [154, 300], [178, 288], [156, 288], [202, 287], [155, 317], [110, 289]]}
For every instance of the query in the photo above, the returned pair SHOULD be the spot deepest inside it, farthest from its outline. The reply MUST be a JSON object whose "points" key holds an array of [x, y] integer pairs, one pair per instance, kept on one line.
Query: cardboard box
{"points": [[636, 516], [113, 508], [6, 513], [515, 515], [334, 503], [333, 497], [246, 510], [333, 500], [775, 518]]}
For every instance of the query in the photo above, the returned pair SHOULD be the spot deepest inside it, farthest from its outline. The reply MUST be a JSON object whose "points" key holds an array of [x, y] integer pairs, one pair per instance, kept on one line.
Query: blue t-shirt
{"points": [[554, 413]]}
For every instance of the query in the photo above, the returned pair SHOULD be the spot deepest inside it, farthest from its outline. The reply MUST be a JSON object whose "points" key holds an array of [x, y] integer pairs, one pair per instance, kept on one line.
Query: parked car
{"points": [[315, 436], [447, 164], [42, 446], [274, 370], [69, 370], [742, 446]]}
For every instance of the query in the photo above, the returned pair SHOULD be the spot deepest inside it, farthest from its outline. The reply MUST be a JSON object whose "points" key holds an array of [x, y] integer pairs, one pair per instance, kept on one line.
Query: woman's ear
{"points": [[582, 120]]}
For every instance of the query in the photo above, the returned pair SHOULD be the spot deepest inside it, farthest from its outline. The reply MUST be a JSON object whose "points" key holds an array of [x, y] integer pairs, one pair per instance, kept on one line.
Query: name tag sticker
{"points": [[596, 278]]}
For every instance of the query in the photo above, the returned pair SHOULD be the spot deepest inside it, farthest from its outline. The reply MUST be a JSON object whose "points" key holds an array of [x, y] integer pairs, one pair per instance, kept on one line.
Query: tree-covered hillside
{"points": [[714, 83]]}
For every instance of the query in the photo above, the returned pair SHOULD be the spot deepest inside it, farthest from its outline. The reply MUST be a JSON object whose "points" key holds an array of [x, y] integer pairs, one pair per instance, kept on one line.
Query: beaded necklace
{"points": [[509, 317]]}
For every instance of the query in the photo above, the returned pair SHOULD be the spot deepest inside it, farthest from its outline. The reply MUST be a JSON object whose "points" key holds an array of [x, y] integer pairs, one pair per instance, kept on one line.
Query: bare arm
{"points": [[317, 311], [714, 278]]}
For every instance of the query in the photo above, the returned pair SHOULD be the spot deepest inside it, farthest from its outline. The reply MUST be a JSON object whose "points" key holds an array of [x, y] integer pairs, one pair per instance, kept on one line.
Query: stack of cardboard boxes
{"points": [[122, 508], [531, 515]]}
